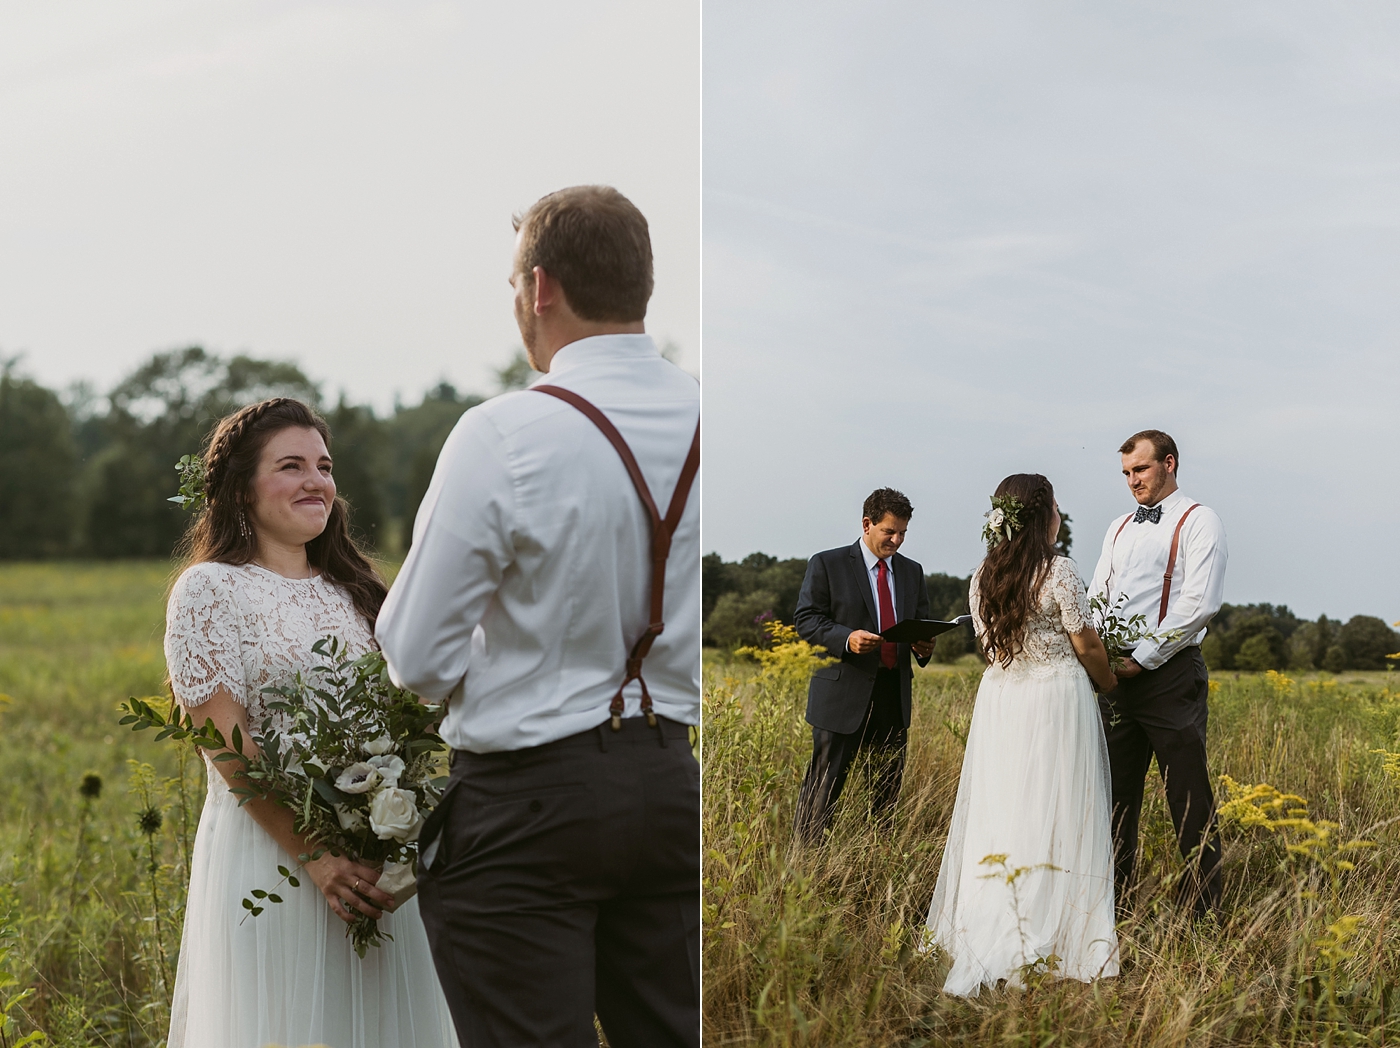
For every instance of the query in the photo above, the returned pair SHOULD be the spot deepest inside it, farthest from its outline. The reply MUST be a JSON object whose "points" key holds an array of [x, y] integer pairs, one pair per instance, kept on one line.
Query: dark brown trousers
{"points": [[881, 740], [1163, 712], [566, 885]]}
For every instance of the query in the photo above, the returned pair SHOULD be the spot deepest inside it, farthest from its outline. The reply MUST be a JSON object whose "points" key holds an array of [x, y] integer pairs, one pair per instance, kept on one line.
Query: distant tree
{"points": [[1366, 641], [738, 619], [37, 461], [1064, 538], [1260, 651], [947, 598], [1308, 645], [1235, 624], [517, 374], [781, 579], [159, 412], [358, 450], [415, 437]]}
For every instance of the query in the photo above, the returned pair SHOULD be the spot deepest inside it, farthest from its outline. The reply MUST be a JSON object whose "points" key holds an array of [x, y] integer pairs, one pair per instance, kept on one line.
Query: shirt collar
{"points": [[1171, 501], [870, 558], [599, 349]]}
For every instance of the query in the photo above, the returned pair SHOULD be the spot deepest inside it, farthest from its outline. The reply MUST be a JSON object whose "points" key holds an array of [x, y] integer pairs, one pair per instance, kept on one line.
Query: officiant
{"points": [[860, 706]]}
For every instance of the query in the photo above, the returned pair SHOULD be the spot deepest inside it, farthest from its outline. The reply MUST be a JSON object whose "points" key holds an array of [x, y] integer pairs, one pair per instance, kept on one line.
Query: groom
{"points": [[1165, 561], [861, 704], [560, 874]]}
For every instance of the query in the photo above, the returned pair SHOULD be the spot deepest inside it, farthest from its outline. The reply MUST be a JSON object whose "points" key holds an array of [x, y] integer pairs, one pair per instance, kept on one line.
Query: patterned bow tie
{"points": [[1154, 514]]}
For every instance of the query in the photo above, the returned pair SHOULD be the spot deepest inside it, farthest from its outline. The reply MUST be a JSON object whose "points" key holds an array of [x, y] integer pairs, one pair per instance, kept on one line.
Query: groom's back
{"points": [[532, 530]]}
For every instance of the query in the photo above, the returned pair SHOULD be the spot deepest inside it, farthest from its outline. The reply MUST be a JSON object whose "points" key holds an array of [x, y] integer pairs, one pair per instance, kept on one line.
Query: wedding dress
{"points": [[1034, 789], [290, 975]]}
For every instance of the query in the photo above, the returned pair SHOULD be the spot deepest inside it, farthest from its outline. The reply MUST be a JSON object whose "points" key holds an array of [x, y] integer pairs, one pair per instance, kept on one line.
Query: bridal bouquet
{"points": [[1120, 635], [354, 757]]}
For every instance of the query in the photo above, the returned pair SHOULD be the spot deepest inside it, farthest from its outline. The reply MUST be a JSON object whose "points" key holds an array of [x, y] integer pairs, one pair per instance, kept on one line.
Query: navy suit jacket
{"points": [[835, 602]]}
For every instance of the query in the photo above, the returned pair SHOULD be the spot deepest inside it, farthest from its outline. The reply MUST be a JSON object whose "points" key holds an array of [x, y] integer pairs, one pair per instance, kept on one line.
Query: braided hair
{"points": [[1009, 580], [223, 531]]}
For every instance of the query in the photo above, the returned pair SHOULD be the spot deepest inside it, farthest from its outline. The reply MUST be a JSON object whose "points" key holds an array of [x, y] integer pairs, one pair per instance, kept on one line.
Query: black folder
{"points": [[911, 630]]}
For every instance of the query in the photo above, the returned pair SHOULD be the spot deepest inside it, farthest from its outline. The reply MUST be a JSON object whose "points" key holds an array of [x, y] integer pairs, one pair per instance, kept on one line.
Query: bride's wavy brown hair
{"points": [[1009, 580], [230, 462]]}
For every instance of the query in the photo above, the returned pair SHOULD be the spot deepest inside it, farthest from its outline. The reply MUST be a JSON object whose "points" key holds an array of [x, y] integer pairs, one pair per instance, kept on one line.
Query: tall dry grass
{"points": [[819, 946]]}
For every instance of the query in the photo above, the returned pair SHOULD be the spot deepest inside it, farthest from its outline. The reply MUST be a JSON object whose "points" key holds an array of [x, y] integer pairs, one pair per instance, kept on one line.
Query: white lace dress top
{"points": [[1062, 609], [245, 628], [290, 976]]}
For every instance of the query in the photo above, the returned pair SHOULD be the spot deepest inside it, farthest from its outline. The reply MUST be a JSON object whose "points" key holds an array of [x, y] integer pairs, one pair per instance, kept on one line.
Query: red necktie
{"points": [[882, 586]]}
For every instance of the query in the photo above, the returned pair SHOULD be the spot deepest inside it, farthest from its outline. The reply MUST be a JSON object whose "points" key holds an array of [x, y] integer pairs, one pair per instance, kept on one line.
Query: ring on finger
{"points": [[357, 885]]}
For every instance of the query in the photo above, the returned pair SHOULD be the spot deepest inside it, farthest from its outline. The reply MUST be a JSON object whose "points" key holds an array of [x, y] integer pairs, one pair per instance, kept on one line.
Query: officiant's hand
{"points": [[1129, 668], [923, 648], [863, 641]]}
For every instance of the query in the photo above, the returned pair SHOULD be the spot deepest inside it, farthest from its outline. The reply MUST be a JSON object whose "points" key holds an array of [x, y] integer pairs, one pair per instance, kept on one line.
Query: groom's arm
{"points": [[461, 548], [1202, 571], [813, 616]]}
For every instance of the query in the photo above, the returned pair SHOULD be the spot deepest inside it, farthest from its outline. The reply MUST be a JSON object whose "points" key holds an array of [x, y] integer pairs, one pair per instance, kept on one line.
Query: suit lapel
{"points": [[907, 582], [863, 583]]}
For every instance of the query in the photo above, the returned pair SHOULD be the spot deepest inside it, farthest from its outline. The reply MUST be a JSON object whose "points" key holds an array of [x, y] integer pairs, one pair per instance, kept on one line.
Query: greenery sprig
{"points": [[1003, 520], [192, 494]]}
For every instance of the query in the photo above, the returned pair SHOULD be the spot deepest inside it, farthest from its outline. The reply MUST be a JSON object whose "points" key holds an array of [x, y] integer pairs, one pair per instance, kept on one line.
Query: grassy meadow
{"points": [[89, 903], [820, 946], [96, 821]]}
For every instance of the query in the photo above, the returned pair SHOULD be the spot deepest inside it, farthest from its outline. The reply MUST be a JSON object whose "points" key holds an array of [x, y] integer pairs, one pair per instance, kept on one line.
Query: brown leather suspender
{"points": [[1171, 559], [662, 529], [1171, 563]]}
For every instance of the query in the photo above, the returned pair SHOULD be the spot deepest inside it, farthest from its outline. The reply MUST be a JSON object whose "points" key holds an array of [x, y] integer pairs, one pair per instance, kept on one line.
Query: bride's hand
{"points": [[349, 887]]}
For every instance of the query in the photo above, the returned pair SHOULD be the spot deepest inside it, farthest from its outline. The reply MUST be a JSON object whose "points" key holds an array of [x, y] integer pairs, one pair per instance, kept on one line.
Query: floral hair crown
{"points": [[1003, 520], [192, 494]]}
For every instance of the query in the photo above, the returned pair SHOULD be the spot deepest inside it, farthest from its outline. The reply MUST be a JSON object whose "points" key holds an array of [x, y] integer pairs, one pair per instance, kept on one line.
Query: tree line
{"points": [[740, 596], [83, 475]]}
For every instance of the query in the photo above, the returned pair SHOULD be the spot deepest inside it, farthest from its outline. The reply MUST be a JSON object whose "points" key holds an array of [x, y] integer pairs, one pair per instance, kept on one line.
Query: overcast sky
{"points": [[330, 183], [945, 242]]}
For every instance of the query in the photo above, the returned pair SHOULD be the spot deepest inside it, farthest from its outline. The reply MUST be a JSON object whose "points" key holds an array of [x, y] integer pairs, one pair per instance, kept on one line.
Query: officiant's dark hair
{"points": [[223, 531], [886, 500], [1009, 580], [1162, 446], [595, 242]]}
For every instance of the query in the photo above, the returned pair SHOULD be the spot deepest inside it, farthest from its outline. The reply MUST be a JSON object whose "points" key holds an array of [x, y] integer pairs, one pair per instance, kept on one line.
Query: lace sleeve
{"points": [[202, 638], [1068, 590]]}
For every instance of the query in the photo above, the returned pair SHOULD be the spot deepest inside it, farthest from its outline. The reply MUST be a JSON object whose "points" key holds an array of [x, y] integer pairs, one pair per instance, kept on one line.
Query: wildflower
{"points": [[91, 787], [150, 821]]}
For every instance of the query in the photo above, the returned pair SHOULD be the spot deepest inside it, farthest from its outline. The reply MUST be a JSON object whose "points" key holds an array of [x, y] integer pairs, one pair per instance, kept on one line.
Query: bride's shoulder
{"points": [[206, 578], [1065, 567]]}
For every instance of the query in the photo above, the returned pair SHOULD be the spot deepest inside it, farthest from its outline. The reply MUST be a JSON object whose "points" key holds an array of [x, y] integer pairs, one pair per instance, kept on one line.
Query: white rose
{"points": [[358, 778], [388, 766], [378, 747], [394, 814], [996, 518], [350, 818]]}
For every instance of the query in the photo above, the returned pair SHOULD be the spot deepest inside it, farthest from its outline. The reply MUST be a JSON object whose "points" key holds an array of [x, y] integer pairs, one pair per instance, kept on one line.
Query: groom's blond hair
{"points": [[1162, 445], [595, 242]]}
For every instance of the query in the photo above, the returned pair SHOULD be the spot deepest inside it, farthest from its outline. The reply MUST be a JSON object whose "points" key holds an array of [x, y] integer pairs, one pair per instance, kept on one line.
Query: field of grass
{"points": [[85, 921], [820, 946], [96, 821]]}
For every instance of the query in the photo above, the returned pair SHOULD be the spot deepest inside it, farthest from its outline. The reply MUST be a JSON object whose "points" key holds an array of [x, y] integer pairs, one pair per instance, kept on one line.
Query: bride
{"points": [[1027, 877], [272, 569]]}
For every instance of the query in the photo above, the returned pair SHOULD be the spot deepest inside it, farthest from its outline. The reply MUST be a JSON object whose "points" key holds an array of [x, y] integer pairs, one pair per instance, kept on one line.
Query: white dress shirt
{"points": [[529, 578], [872, 574], [1134, 560]]}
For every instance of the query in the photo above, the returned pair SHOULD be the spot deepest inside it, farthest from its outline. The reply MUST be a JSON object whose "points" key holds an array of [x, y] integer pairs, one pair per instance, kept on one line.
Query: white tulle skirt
{"points": [[1034, 789], [290, 975]]}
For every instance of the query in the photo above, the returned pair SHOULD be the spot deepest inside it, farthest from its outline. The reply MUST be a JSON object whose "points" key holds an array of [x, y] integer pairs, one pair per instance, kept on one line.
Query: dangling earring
{"points": [[243, 528]]}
